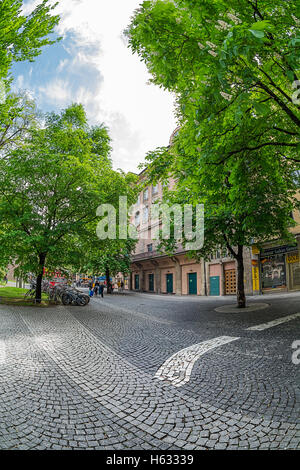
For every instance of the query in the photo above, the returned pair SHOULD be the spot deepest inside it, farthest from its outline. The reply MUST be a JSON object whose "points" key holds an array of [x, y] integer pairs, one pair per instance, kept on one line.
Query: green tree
{"points": [[50, 189], [234, 67], [17, 115], [108, 255], [109, 258], [246, 201], [23, 36]]}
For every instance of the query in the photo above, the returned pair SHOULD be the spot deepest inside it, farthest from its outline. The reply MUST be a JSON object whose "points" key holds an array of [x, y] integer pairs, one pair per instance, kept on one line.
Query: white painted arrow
{"points": [[178, 368], [270, 324]]}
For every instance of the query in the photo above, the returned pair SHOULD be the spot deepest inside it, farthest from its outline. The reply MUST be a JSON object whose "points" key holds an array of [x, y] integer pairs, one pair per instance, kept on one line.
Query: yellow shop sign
{"points": [[292, 258], [255, 278]]}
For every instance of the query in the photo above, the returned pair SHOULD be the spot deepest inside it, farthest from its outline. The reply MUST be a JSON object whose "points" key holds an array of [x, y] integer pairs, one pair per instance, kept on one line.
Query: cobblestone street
{"points": [[139, 371]]}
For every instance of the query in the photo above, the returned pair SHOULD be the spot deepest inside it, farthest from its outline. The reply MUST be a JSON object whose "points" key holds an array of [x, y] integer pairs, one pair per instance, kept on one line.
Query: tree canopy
{"points": [[246, 201], [23, 36], [50, 189], [234, 67]]}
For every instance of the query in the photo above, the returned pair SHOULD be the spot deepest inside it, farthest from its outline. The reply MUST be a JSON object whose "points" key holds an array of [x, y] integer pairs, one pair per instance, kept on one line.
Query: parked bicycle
{"points": [[71, 296], [30, 294], [66, 294]]}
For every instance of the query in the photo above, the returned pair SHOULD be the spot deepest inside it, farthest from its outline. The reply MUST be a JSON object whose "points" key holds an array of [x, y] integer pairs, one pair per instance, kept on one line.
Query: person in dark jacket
{"points": [[96, 288], [101, 290]]}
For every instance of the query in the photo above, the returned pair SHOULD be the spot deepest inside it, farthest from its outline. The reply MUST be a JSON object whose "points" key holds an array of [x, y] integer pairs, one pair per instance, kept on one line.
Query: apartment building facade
{"points": [[274, 268], [154, 272]]}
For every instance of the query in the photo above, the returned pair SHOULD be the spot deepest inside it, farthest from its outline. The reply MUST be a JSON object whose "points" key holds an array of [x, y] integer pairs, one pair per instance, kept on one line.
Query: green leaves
{"points": [[261, 108], [259, 28], [230, 65], [257, 33], [51, 186], [22, 37]]}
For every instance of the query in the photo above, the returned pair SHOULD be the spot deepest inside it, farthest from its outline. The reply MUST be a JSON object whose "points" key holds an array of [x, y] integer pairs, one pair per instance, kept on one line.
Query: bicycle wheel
{"points": [[80, 302], [66, 299], [29, 294], [83, 299]]}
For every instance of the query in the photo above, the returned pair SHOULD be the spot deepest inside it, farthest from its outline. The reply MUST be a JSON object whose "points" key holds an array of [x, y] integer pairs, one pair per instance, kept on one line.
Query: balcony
{"points": [[153, 254]]}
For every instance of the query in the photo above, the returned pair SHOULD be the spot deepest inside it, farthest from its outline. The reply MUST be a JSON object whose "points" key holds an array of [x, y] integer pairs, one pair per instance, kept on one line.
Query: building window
{"points": [[155, 190], [137, 219], [145, 214], [145, 195], [150, 248], [273, 272]]}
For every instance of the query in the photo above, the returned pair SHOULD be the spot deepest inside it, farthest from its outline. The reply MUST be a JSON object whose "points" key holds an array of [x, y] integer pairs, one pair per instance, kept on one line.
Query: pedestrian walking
{"points": [[91, 292], [101, 290], [5, 279], [122, 287], [96, 288]]}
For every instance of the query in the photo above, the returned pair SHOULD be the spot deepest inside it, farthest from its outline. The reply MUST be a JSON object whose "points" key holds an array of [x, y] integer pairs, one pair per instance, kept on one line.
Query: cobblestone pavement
{"points": [[74, 378]]}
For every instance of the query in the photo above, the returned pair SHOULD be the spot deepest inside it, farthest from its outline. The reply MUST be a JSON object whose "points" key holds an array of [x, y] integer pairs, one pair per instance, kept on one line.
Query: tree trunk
{"points": [[108, 280], [38, 289], [241, 298]]}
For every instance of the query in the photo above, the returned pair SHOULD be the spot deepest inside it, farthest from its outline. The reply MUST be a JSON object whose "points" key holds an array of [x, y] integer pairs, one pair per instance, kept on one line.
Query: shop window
{"points": [[273, 272]]}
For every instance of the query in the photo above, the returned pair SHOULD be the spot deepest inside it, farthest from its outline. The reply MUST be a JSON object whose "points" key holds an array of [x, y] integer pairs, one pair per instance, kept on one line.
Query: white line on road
{"points": [[178, 368], [270, 324], [2, 352]]}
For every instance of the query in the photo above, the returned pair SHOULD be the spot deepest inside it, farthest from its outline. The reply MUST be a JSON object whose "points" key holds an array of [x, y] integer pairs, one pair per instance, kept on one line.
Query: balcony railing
{"points": [[153, 254]]}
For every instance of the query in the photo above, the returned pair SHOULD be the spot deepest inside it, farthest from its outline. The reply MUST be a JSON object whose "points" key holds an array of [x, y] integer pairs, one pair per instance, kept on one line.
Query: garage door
{"points": [[230, 282]]}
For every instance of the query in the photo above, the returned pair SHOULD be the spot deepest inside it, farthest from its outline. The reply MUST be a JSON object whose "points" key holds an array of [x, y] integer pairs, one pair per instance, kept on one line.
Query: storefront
{"points": [[280, 268], [293, 267]]}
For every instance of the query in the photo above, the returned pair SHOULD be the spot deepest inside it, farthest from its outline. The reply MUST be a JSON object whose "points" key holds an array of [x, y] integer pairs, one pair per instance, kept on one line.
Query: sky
{"points": [[92, 65]]}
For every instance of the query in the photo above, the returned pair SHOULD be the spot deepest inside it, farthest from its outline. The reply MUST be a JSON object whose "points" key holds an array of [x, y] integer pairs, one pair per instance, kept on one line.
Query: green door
{"points": [[151, 282], [214, 285], [137, 282], [170, 283], [193, 283]]}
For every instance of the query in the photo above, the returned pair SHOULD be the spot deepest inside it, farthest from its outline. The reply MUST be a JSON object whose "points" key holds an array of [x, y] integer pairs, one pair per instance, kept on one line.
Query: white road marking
{"points": [[270, 324], [178, 368], [2, 352]]}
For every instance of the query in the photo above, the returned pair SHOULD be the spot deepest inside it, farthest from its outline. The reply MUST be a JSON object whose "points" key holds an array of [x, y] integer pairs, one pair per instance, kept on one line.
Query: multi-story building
{"points": [[152, 271], [276, 267]]}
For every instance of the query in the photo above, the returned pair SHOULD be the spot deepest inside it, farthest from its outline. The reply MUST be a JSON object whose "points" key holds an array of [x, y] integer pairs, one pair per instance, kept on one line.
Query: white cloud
{"points": [[19, 82], [140, 116], [62, 64], [57, 91]]}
